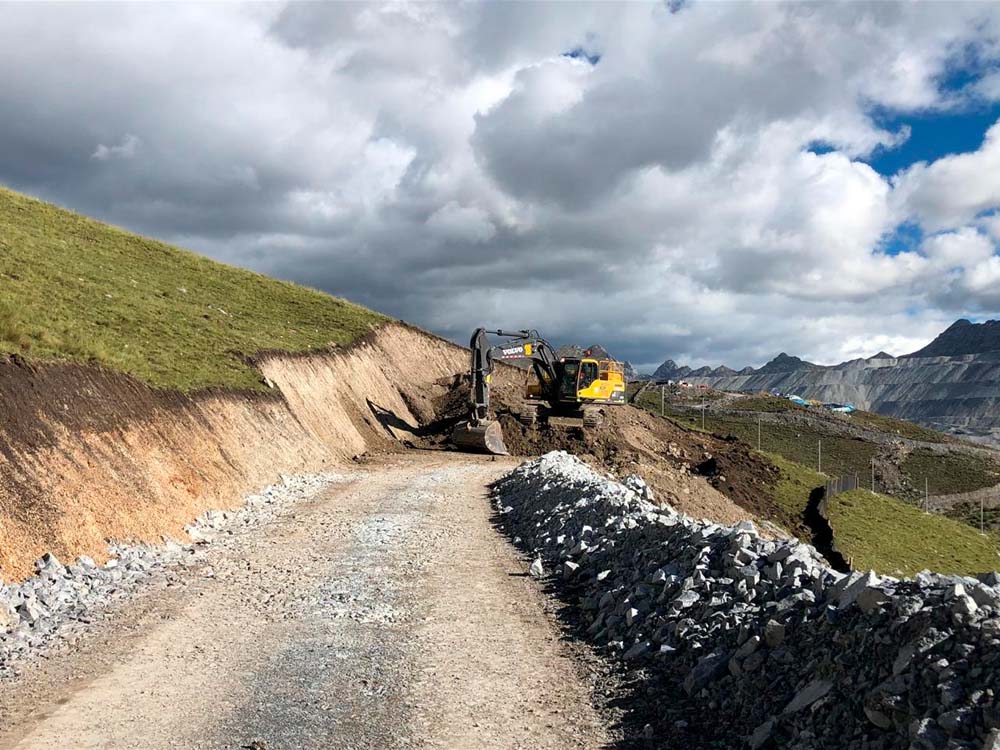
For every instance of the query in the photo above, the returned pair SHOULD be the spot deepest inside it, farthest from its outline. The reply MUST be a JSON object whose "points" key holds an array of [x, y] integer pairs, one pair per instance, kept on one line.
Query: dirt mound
{"points": [[699, 474]]}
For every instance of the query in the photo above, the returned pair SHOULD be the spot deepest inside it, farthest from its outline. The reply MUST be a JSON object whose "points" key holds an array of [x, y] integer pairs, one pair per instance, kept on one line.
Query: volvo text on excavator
{"points": [[569, 392]]}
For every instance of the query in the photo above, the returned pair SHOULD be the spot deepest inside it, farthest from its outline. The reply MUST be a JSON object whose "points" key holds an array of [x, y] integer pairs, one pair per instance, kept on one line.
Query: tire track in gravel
{"points": [[387, 613]]}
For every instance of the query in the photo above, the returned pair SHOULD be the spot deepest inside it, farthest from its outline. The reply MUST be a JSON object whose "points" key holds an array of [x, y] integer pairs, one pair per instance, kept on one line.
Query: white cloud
{"points": [[127, 149], [953, 190], [445, 163]]}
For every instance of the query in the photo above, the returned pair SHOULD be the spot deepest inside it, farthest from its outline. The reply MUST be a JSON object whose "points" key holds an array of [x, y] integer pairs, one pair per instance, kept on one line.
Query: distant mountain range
{"points": [[953, 383]]}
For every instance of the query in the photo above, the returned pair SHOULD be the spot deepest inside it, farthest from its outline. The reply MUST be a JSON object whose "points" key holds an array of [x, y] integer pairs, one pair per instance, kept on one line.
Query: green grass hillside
{"points": [[875, 531], [73, 288]]}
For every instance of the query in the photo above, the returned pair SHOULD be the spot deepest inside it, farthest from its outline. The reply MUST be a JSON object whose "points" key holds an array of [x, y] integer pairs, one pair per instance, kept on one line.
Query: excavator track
{"points": [[528, 415], [593, 416]]}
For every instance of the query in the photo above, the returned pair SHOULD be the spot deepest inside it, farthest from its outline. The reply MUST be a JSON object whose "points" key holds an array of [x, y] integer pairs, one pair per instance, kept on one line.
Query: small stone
{"points": [[871, 599], [878, 718], [808, 695], [537, 570], [638, 649], [630, 616], [748, 647], [774, 633], [963, 605], [707, 670], [761, 734]]}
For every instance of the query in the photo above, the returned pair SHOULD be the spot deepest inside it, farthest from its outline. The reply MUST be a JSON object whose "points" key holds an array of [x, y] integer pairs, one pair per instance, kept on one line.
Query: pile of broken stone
{"points": [[739, 641], [51, 609]]}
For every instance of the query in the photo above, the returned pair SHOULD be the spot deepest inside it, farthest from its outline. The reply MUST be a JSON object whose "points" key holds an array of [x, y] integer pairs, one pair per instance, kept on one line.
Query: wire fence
{"points": [[842, 484]]}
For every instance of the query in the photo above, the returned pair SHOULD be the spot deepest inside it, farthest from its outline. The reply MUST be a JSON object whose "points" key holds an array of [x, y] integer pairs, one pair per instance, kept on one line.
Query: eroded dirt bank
{"points": [[88, 455], [383, 613]]}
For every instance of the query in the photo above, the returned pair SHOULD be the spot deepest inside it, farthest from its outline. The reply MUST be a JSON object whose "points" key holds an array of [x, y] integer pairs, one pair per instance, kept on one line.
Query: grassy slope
{"points": [[74, 288], [797, 482], [883, 533], [878, 532], [951, 473], [875, 531]]}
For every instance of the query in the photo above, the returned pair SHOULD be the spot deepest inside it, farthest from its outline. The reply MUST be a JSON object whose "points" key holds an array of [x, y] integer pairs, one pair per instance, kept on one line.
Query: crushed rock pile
{"points": [[52, 608], [737, 641]]}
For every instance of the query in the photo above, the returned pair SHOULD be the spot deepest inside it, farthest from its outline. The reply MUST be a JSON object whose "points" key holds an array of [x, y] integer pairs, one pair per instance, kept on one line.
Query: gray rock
{"points": [[708, 669], [537, 569], [639, 648], [748, 647], [761, 734], [774, 633], [808, 695], [871, 599], [878, 718]]}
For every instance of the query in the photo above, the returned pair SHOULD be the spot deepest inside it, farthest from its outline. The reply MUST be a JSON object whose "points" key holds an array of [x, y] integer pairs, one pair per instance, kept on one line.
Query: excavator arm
{"points": [[521, 345], [480, 432]]}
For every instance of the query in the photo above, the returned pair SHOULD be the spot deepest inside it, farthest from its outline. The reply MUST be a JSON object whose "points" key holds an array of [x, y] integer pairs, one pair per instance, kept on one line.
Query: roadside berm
{"points": [[738, 641]]}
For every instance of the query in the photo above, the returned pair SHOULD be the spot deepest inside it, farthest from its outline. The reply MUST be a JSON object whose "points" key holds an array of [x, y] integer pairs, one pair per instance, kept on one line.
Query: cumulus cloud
{"points": [[953, 190], [124, 150], [451, 164]]}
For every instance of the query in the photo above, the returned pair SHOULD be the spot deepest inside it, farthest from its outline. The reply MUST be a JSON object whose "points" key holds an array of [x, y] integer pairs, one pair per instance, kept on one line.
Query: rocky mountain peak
{"points": [[785, 363], [963, 337]]}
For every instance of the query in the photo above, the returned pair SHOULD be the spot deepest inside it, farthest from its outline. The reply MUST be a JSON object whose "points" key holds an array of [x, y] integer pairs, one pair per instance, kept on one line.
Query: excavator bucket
{"points": [[485, 437]]}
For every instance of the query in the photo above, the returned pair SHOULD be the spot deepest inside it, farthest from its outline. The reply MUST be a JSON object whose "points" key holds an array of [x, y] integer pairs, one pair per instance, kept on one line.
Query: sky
{"points": [[711, 182]]}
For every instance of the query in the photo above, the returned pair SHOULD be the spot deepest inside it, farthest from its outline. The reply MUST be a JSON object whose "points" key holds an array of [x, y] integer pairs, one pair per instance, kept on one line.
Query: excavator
{"points": [[568, 392]]}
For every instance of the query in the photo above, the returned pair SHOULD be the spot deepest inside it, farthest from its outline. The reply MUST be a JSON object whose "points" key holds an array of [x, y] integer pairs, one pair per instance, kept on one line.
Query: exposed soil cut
{"points": [[89, 455]]}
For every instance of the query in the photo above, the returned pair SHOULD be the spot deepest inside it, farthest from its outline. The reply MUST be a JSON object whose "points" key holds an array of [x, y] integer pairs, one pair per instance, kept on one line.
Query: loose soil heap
{"points": [[703, 475]]}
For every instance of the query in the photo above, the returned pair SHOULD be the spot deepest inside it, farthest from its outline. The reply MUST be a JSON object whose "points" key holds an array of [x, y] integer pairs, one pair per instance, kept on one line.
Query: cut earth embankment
{"points": [[89, 455], [717, 622]]}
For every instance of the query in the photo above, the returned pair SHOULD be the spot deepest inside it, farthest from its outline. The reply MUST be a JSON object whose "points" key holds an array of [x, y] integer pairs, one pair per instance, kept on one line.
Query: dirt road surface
{"points": [[386, 612]]}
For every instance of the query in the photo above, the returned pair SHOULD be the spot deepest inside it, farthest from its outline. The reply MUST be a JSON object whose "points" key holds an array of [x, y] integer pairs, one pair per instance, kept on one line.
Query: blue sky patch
{"points": [[820, 148], [904, 238], [579, 53], [932, 135]]}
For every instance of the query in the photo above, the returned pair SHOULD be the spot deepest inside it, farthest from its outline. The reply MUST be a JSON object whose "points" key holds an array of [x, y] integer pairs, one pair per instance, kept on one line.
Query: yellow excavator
{"points": [[568, 392]]}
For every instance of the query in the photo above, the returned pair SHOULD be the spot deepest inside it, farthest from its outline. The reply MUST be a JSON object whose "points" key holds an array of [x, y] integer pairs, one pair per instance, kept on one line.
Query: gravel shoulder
{"points": [[386, 612]]}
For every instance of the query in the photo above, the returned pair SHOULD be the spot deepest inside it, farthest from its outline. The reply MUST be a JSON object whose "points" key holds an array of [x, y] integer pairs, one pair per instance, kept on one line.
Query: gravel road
{"points": [[385, 612]]}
